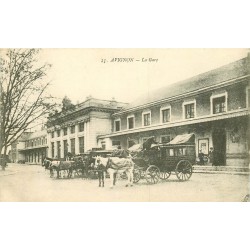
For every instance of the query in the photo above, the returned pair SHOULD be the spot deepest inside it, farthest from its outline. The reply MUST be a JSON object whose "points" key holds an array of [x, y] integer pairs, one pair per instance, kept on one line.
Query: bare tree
{"points": [[23, 93]]}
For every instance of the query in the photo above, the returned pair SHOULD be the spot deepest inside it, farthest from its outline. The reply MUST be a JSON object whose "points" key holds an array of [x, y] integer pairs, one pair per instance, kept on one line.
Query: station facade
{"points": [[30, 148], [76, 130], [213, 105]]}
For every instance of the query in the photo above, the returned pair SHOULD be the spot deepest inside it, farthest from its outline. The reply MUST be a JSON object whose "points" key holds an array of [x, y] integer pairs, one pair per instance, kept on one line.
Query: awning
{"points": [[181, 139]]}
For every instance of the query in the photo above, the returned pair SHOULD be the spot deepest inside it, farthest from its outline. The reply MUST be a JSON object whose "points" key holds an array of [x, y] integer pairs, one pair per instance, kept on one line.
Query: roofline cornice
{"points": [[173, 98], [84, 112]]}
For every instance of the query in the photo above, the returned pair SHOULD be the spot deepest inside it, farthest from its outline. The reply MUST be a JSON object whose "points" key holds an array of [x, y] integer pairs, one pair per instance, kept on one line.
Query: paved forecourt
{"points": [[32, 183]]}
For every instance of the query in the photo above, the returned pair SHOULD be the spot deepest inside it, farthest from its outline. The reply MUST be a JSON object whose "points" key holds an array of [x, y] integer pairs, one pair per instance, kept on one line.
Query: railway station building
{"points": [[30, 148], [214, 106], [76, 130]]}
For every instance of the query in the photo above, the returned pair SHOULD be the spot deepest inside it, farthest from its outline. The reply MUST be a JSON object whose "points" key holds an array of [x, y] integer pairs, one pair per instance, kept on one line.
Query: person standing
{"points": [[211, 156], [201, 158], [101, 175]]}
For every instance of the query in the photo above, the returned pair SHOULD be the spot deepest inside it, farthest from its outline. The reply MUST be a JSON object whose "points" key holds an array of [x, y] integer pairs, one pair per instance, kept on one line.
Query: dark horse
{"points": [[53, 164], [79, 165]]}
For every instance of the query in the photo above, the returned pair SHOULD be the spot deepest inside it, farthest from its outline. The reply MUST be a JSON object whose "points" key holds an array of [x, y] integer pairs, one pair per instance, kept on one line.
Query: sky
{"points": [[78, 73]]}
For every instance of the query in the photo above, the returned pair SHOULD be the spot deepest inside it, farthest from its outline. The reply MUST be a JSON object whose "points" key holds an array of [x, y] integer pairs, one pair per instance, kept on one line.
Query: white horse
{"points": [[116, 166]]}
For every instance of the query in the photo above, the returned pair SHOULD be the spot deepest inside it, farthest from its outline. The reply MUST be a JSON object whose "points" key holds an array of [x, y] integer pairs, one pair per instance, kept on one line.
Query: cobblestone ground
{"points": [[32, 183]]}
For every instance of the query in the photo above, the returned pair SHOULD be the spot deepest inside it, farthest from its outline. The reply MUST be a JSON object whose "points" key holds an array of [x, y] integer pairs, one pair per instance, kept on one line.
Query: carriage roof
{"points": [[178, 141]]}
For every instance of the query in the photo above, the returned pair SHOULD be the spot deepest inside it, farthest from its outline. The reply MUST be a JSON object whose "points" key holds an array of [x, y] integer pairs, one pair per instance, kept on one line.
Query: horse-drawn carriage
{"points": [[159, 160], [89, 160]]}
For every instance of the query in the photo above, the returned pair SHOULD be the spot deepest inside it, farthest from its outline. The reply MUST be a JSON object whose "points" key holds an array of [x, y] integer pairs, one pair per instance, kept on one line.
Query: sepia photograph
{"points": [[124, 125]]}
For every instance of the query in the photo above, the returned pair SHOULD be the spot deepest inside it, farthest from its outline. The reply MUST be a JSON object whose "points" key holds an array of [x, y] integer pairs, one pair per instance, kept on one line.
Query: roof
{"points": [[225, 73], [37, 134], [90, 102]]}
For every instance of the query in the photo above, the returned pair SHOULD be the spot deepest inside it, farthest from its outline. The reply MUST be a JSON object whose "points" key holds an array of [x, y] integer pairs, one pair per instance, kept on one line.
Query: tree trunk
{"points": [[4, 159]]}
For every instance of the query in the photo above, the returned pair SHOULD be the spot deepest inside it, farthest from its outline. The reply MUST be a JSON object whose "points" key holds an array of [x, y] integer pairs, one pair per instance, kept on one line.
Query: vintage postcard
{"points": [[125, 125]]}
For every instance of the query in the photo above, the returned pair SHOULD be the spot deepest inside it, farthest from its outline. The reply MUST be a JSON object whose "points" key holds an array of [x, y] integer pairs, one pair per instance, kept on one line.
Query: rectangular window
{"points": [[65, 147], [131, 122], [65, 131], [72, 129], [103, 145], [52, 149], [81, 145], [146, 119], [189, 111], [81, 127], [219, 105], [116, 143], [72, 145], [58, 133], [165, 115], [171, 152], [58, 149], [117, 125], [52, 134]]}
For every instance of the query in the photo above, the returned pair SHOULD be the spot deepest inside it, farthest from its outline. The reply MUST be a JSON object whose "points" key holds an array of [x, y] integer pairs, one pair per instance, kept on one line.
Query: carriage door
{"points": [[219, 143]]}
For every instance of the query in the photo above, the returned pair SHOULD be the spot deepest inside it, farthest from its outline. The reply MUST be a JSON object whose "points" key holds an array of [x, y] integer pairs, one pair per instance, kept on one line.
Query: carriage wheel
{"points": [[137, 175], [184, 170], [152, 174], [165, 175]]}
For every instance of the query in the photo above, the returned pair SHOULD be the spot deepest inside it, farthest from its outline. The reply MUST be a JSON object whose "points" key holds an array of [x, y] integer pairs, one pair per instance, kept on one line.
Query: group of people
{"points": [[201, 157]]}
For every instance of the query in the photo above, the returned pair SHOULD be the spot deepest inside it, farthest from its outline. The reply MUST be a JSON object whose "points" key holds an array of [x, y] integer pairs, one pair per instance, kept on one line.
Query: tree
{"points": [[23, 93], [67, 104]]}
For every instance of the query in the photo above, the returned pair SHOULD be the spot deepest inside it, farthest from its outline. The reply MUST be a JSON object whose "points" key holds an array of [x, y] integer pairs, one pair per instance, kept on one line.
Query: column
{"points": [[76, 139]]}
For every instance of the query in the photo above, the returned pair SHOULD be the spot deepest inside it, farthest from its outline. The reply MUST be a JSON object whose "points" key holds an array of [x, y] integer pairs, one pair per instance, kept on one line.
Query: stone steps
{"points": [[217, 169]]}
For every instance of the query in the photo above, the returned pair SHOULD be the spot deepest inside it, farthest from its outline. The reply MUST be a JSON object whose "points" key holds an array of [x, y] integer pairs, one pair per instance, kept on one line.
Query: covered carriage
{"points": [[159, 160]]}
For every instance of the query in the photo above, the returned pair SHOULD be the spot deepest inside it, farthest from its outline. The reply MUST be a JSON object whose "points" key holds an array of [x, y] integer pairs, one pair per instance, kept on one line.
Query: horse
{"points": [[62, 165], [79, 164], [46, 163], [115, 165]]}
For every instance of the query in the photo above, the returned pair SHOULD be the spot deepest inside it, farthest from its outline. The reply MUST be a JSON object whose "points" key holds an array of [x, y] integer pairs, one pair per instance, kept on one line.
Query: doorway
{"points": [[219, 143]]}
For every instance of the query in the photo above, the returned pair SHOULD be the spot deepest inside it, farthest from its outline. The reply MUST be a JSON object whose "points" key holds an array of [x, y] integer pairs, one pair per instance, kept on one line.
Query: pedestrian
{"points": [[201, 158], [100, 169], [211, 156]]}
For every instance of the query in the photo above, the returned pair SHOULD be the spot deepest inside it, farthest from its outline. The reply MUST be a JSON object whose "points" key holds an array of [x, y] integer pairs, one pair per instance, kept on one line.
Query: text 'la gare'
{"points": [[131, 59]]}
